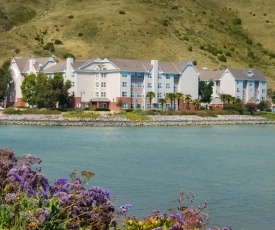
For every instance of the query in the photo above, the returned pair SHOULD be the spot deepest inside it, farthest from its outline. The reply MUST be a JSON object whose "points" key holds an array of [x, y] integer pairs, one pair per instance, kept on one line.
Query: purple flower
{"points": [[61, 181], [124, 208], [177, 217], [106, 193], [158, 228]]}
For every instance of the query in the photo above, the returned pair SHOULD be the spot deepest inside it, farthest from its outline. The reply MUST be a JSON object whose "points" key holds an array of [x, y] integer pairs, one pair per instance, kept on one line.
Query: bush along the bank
{"points": [[29, 202]]}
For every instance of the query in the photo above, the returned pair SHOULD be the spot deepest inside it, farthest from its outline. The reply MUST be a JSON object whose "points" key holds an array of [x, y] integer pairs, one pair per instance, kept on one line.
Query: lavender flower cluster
{"points": [[27, 196]]}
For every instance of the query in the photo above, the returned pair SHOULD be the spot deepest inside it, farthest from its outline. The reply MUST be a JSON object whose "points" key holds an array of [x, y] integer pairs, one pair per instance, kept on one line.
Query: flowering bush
{"points": [[28, 201], [183, 218]]}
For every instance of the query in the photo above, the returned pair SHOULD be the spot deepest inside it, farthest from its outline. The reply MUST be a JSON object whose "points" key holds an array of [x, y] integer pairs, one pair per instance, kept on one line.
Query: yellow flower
{"points": [[6, 189], [32, 224]]}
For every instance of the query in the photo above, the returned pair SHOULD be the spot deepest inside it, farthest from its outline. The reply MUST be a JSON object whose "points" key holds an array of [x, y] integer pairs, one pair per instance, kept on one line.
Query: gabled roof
{"points": [[131, 65], [78, 64], [24, 64], [208, 75], [240, 74], [172, 67], [58, 68]]}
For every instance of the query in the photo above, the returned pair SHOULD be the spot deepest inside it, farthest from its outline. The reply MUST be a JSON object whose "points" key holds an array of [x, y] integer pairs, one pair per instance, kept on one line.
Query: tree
{"points": [[171, 97], [28, 89], [180, 97], [188, 99], [150, 95], [43, 91], [206, 91], [271, 95], [162, 101], [196, 103], [119, 103], [57, 90], [226, 97], [5, 81]]}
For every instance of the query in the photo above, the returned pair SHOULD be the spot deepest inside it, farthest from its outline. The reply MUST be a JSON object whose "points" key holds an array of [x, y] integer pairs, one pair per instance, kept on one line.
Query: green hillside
{"points": [[213, 33]]}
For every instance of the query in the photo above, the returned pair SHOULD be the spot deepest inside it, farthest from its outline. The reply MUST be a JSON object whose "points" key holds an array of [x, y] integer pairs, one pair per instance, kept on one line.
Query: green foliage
{"points": [[68, 55], [205, 91], [43, 91], [262, 106], [139, 111], [222, 58], [190, 48], [58, 42], [165, 22], [5, 81], [81, 115], [135, 116], [150, 95], [237, 21], [121, 12], [234, 107], [102, 109], [11, 110], [269, 116], [49, 46], [70, 16], [119, 103]]}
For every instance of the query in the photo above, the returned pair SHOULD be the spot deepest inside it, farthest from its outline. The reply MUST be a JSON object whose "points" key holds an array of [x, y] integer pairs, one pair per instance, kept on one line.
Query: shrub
{"points": [[262, 106], [17, 50], [80, 34], [222, 58], [67, 55], [165, 22], [57, 42], [237, 21], [134, 116], [70, 17], [49, 46], [11, 110], [102, 109], [190, 48], [121, 12], [195, 62], [74, 114]]}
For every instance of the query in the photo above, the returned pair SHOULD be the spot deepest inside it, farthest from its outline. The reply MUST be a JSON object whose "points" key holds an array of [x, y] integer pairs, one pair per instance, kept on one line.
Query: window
{"points": [[159, 106], [139, 94], [159, 94], [72, 83], [133, 75], [175, 85], [132, 84], [149, 85], [103, 94], [176, 77], [103, 105], [149, 75], [103, 84], [139, 75], [132, 105], [148, 106], [139, 84], [167, 76], [103, 75], [124, 106], [97, 84], [138, 105], [167, 85], [159, 85], [96, 94], [124, 74], [250, 83], [238, 90], [263, 90], [124, 84], [124, 94], [263, 82], [132, 94], [159, 76], [263, 98], [167, 106]]}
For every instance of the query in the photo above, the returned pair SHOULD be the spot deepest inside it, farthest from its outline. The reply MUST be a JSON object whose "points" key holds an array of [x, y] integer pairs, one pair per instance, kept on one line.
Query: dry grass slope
{"points": [[208, 32]]}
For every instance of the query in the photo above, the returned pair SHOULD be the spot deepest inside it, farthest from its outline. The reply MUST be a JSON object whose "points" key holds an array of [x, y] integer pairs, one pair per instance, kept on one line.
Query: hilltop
{"points": [[210, 33]]}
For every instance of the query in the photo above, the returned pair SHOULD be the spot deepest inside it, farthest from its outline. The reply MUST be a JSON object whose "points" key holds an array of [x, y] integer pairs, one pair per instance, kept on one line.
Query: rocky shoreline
{"points": [[116, 121]]}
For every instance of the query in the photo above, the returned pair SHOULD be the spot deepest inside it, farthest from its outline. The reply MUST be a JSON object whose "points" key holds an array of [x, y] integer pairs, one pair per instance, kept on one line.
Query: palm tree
{"points": [[179, 97], [150, 95], [188, 99], [196, 103], [162, 101], [171, 96]]}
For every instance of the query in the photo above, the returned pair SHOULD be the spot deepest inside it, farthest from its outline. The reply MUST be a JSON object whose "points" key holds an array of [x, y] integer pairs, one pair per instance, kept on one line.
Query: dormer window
{"points": [[249, 73]]}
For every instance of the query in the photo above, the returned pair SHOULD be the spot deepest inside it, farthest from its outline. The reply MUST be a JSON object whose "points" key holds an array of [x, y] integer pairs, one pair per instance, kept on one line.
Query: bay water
{"points": [[231, 167]]}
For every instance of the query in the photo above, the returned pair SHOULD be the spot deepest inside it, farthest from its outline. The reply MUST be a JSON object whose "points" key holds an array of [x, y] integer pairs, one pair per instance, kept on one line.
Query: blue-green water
{"points": [[232, 167]]}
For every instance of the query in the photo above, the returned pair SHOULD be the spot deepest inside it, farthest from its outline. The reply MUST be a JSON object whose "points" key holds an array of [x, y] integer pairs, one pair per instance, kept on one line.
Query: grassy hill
{"points": [[211, 32]]}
